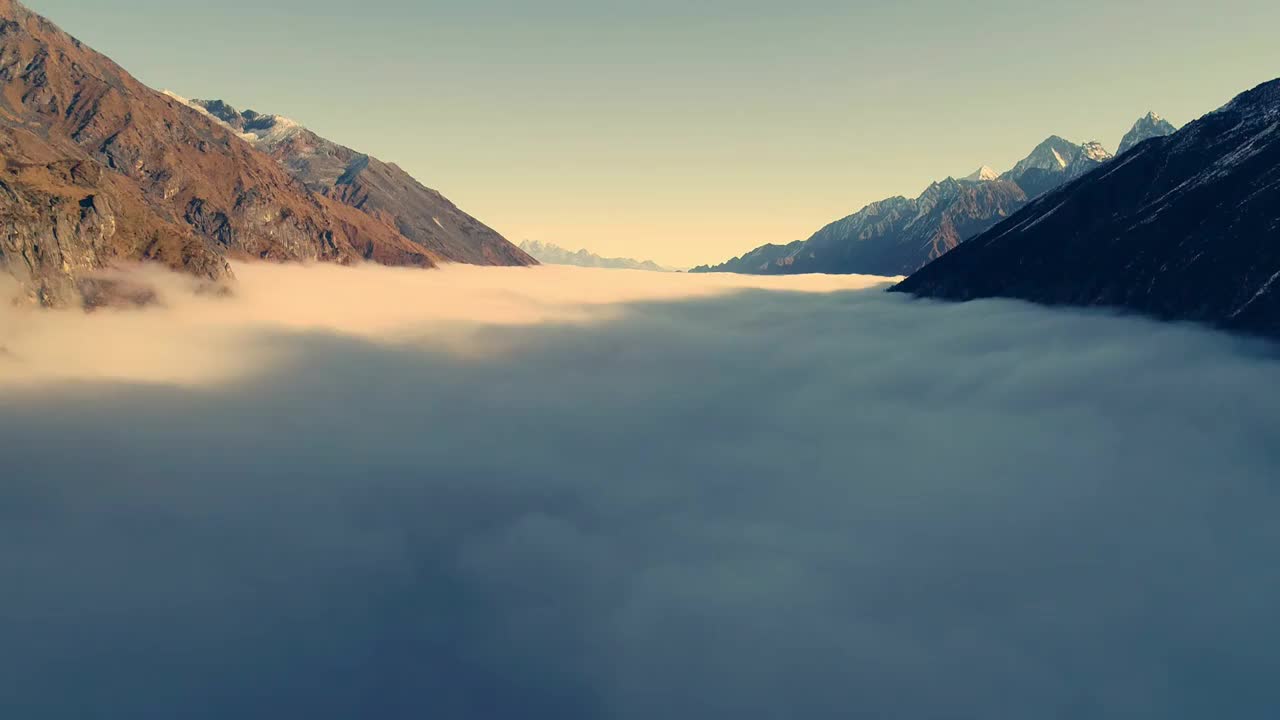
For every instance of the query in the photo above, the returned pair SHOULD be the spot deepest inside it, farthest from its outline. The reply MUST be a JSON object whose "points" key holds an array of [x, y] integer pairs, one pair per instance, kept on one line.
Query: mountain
{"points": [[982, 174], [381, 190], [552, 254], [1148, 126], [890, 237], [898, 236], [1183, 227], [99, 168], [1055, 162], [1059, 155]]}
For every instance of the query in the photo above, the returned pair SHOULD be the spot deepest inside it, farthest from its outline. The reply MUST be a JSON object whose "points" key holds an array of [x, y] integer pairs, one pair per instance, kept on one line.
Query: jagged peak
{"points": [[948, 183], [258, 128], [1055, 141], [1152, 120], [1094, 150], [220, 109], [1147, 127], [982, 174], [1056, 153]]}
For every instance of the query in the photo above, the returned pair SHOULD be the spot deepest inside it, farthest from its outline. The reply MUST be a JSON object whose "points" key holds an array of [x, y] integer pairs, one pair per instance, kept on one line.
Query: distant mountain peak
{"points": [[1054, 153], [982, 174], [898, 235], [552, 254], [1094, 151], [383, 190], [1147, 127], [263, 130], [1055, 161]]}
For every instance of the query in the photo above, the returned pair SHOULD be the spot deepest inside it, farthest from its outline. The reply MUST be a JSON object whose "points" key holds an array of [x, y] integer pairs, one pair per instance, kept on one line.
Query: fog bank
{"points": [[562, 493]]}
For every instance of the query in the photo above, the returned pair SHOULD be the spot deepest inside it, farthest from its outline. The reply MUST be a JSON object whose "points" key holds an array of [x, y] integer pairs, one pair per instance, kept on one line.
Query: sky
{"points": [[569, 494], [689, 131]]}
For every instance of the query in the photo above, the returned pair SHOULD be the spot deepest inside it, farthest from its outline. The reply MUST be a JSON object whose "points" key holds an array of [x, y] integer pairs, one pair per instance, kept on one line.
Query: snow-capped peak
{"points": [[1148, 126], [271, 130], [1094, 151], [262, 131], [982, 174], [194, 105]]}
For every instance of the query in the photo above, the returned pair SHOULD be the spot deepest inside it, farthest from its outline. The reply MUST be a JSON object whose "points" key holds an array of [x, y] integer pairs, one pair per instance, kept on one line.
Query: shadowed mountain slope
{"points": [[1183, 227]]}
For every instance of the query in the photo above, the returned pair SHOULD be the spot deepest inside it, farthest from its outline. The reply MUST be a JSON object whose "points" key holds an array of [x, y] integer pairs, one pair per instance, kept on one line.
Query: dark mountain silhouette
{"points": [[1183, 227]]}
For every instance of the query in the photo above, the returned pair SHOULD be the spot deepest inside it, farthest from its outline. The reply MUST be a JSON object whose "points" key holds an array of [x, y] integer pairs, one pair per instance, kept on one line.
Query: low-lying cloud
{"points": [[192, 336], [561, 493]]}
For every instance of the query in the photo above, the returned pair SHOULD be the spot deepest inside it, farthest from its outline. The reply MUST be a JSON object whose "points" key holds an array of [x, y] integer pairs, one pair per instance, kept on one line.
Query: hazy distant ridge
{"points": [[553, 254]]}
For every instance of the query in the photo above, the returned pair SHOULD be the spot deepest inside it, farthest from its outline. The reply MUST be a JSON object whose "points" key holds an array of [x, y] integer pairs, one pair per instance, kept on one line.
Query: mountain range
{"points": [[552, 254], [96, 168], [899, 235], [1181, 227], [377, 188]]}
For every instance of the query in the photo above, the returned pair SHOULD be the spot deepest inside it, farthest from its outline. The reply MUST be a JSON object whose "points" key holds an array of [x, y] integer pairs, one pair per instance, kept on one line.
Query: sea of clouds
{"points": [[572, 494]]}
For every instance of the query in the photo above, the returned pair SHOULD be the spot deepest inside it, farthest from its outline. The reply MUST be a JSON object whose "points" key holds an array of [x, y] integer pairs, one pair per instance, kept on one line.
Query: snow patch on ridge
{"points": [[275, 129], [982, 174], [1094, 151], [281, 130], [248, 137]]}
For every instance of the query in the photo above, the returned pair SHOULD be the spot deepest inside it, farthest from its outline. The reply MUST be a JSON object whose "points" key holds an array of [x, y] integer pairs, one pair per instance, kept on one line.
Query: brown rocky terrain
{"points": [[382, 190], [97, 169]]}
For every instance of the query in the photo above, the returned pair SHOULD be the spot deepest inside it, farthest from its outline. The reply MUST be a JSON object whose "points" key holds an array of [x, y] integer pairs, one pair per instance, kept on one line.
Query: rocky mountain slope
{"points": [[899, 235], [553, 254], [381, 190], [1183, 227], [99, 169], [1149, 126], [891, 237]]}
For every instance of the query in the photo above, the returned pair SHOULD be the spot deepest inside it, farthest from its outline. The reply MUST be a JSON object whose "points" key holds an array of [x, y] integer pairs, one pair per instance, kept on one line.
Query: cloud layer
{"points": [[558, 493]]}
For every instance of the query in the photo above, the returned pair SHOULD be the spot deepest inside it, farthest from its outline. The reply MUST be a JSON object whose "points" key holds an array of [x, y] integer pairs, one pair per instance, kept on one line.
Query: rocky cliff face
{"points": [[100, 169], [1180, 227], [378, 189], [63, 218]]}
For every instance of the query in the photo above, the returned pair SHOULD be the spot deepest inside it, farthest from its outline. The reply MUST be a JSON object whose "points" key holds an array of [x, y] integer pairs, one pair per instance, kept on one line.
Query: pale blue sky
{"points": [[683, 130]]}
